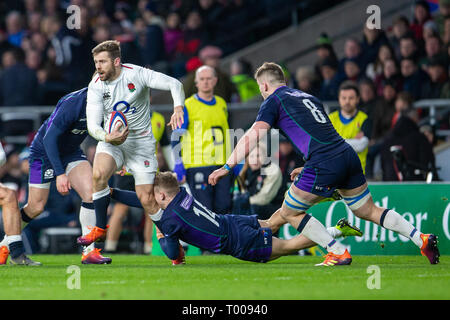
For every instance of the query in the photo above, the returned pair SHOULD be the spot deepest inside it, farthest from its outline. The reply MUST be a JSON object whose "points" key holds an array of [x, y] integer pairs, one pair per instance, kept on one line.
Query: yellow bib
{"points": [[206, 140], [350, 130]]}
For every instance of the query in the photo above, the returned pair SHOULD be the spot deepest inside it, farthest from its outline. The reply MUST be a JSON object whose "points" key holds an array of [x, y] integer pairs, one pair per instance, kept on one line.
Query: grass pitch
{"points": [[216, 277]]}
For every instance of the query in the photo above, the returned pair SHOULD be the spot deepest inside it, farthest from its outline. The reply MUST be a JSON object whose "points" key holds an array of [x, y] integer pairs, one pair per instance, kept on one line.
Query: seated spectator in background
{"points": [[442, 15], [390, 72], [18, 83], [437, 70], [375, 69], [430, 29], [352, 70], [445, 34], [324, 51], [400, 29], [352, 51], [368, 101], [421, 16], [372, 41], [433, 47], [330, 83], [224, 88], [288, 160], [350, 122], [172, 34], [382, 122], [403, 102], [14, 28], [413, 77], [263, 181], [416, 149], [242, 77], [306, 80]]}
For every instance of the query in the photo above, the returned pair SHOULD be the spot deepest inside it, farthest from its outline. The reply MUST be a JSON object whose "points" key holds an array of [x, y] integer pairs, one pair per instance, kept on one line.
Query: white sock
{"points": [[393, 221], [147, 248], [334, 232], [4, 242], [14, 238], [87, 218], [317, 232]]}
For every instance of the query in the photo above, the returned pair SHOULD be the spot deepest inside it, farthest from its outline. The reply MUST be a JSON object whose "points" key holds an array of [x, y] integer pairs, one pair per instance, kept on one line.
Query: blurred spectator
{"points": [[210, 56], [330, 83], [400, 29], [210, 12], [416, 150], [352, 70], [288, 160], [172, 34], [430, 29], [442, 15], [373, 39], [408, 48], [390, 72], [375, 69], [263, 180], [18, 83], [446, 32], [421, 16], [154, 51], [14, 28], [403, 102], [352, 51], [325, 51], [433, 47], [306, 80], [413, 77], [382, 122], [368, 101], [437, 70], [242, 77]]}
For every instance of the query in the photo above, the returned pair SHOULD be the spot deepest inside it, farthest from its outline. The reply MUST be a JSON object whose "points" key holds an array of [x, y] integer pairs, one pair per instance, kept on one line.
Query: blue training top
{"points": [[301, 117], [63, 132]]}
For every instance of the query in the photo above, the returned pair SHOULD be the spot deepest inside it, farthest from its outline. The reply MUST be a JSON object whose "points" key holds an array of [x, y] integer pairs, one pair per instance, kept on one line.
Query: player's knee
{"points": [[35, 208], [8, 197], [99, 176]]}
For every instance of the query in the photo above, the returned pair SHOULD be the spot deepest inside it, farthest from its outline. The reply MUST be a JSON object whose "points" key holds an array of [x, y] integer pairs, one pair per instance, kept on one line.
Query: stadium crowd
{"points": [[41, 60]]}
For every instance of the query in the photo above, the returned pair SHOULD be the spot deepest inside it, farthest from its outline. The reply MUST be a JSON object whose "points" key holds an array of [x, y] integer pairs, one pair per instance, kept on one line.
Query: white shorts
{"points": [[137, 155]]}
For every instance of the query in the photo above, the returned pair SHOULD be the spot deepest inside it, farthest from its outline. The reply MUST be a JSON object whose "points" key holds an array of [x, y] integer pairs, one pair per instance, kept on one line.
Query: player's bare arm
{"points": [[243, 148]]}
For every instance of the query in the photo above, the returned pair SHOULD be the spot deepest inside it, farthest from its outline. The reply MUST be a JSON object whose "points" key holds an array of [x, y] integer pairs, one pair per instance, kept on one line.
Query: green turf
{"points": [[223, 277]]}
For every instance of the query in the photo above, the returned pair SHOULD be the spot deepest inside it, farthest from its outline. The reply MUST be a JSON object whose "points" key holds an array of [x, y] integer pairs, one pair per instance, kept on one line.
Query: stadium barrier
{"points": [[426, 206]]}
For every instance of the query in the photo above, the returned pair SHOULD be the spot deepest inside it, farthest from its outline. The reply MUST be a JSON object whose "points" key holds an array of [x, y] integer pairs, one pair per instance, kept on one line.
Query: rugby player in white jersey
{"points": [[125, 88]]}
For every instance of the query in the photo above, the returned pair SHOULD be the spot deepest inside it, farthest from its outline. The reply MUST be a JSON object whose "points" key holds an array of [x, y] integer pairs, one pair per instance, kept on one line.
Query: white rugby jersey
{"points": [[130, 94]]}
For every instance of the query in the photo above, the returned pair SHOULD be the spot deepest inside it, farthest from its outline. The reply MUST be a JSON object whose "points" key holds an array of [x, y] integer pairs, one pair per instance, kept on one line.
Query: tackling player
{"points": [[55, 154], [183, 217], [331, 164], [124, 87]]}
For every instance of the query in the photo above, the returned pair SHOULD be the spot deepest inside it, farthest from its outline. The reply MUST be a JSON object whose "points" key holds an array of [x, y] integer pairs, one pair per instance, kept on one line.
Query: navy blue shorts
{"points": [[247, 240], [342, 171], [41, 169]]}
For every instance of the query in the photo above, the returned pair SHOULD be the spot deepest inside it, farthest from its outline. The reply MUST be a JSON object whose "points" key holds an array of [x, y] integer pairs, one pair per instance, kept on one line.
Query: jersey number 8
{"points": [[317, 114]]}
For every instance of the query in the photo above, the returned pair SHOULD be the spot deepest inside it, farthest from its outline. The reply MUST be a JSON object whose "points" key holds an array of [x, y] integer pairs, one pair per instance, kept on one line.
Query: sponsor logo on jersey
{"points": [[78, 131], [48, 174], [131, 87], [106, 95]]}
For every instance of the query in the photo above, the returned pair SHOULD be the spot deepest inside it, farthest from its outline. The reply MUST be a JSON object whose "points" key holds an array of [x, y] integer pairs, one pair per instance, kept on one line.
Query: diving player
{"points": [[124, 87], [331, 164], [55, 154], [182, 217]]}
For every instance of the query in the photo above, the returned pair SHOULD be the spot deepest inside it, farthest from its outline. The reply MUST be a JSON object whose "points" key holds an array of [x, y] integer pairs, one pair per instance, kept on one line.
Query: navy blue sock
{"points": [[25, 217], [101, 208], [16, 249], [126, 197]]}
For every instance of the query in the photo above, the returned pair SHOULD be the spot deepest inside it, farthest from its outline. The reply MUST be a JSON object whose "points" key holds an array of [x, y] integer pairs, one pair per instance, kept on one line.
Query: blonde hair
{"points": [[272, 71], [110, 46], [166, 181]]}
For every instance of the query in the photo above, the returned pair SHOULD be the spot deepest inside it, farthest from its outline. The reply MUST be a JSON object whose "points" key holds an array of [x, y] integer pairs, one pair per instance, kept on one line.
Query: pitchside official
{"points": [[204, 139]]}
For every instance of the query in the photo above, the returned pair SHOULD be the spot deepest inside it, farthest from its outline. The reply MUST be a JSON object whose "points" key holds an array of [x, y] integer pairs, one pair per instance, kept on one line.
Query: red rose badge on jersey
{"points": [[131, 87]]}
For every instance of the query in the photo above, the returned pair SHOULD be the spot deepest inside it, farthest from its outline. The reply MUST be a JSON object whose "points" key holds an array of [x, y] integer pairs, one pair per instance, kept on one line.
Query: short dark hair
{"points": [[349, 85], [110, 46], [166, 181]]}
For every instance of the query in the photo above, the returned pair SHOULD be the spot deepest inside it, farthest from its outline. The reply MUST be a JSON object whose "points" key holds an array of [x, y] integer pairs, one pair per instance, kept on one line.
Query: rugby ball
{"points": [[114, 119]]}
